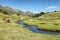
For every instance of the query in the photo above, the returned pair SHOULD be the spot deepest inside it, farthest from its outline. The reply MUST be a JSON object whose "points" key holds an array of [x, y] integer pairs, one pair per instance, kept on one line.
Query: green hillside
{"points": [[49, 21], [52, 16]]}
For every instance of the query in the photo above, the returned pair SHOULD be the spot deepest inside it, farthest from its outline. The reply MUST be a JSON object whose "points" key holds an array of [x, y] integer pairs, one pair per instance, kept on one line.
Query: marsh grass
{"points": [[14, 31], [44, 24]]}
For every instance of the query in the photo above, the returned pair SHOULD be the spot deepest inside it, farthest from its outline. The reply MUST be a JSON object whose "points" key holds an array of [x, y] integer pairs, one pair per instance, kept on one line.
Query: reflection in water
{"points": [[33, 29]]}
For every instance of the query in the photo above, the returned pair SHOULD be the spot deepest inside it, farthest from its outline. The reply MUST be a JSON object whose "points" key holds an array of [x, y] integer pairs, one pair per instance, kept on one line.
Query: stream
{"points": [[35, 30]]}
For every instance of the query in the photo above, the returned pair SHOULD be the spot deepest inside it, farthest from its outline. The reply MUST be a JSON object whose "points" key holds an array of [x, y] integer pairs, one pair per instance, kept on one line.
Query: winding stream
{"points": [[35, 30]]}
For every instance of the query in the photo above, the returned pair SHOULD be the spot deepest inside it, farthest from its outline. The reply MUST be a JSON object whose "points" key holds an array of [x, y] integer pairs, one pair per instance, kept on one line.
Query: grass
{"points": [[50, 22], [44, 25], [14, 17], [13, 31]]}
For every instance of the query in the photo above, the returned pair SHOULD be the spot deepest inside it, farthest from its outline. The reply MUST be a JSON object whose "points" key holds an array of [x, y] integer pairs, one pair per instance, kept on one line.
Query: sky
{"points": [[32, 5]]}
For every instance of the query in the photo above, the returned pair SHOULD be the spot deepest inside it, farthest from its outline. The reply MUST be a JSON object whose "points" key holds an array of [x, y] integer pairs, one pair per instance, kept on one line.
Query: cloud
{"points": [[51, 7]]}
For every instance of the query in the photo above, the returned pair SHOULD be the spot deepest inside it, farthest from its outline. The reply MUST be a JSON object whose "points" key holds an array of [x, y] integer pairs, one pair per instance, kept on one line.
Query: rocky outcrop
{"points": [[7, 20]]}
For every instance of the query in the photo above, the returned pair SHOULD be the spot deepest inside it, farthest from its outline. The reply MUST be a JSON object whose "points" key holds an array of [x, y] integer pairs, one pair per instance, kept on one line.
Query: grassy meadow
{"points": [[14, 31], [50, 21]]}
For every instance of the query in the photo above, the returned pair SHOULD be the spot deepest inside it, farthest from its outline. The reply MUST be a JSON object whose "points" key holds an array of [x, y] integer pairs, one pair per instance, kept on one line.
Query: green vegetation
{"points": [[14, 31], [38, 14], [49, 22]]}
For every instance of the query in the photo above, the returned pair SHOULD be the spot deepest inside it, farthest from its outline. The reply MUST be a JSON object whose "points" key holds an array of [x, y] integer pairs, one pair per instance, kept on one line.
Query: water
{"points": [[35, 30]]}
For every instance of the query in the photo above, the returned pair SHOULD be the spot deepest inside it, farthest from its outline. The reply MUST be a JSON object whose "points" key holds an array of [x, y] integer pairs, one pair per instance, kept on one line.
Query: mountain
{"points": [[9, 10], [29, 13]]}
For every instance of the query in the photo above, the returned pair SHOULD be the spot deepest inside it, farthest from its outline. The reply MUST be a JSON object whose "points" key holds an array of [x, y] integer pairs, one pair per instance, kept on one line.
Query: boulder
{"points": [[7, 20]]}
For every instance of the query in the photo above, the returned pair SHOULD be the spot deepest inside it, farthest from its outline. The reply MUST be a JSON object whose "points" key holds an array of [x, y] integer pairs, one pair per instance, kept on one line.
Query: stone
{"points": [[7, 20]]}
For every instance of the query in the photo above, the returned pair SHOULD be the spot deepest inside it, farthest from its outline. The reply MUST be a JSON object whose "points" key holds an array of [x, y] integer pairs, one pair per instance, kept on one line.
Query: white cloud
{"points": [[51, 7]]}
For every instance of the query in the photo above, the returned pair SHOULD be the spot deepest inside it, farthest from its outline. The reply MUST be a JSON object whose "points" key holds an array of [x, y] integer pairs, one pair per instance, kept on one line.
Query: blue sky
{"points": [[32, 5]]}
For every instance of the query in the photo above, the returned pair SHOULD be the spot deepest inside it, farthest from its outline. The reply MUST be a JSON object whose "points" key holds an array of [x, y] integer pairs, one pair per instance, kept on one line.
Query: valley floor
{"points": [[13, 31]]}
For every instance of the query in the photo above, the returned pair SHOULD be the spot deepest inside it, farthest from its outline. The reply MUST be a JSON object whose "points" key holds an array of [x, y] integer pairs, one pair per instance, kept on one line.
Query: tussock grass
{"points": [[13, 31], [50, 21]]}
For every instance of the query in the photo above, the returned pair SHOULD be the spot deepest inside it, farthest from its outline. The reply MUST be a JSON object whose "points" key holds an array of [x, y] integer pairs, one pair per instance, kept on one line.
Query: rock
{"points": [[21, 18], [7, 20], [30, 20]]}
